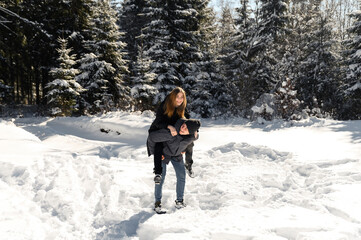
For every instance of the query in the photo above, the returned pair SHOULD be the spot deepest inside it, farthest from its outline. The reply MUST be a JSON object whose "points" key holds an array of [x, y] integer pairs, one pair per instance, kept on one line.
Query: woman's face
{"points": [[179, 99]]}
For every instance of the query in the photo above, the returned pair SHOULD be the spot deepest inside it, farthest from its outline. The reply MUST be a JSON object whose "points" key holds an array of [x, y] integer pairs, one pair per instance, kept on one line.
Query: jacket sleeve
{"points": [[162, 135]]}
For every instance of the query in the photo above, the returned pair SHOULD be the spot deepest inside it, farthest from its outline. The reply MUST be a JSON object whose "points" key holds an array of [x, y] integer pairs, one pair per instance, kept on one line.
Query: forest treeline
{"points": [[266, 58]]}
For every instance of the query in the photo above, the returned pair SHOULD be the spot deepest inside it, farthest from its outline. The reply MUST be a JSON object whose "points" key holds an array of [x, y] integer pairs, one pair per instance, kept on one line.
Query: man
{"points": [[173, 147]]}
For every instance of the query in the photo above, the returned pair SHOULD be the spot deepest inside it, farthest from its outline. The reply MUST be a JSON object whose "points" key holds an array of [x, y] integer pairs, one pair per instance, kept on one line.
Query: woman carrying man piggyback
{"points": [[171, 134]]}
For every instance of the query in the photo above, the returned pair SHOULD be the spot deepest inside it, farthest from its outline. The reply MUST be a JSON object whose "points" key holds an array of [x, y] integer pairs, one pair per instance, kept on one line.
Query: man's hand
{"points": [[196, 134], [172, 130]]}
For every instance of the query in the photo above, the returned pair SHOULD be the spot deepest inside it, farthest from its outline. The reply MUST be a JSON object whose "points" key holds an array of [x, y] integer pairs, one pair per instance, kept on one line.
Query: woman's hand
{"points": [[172, 130], [196, 134]]}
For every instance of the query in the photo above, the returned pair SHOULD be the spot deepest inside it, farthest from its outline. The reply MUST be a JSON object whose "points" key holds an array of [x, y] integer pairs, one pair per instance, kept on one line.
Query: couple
{"points": [[171, 134]]}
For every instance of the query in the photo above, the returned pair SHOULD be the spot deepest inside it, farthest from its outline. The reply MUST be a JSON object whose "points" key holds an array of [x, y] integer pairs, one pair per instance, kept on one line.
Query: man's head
{"points": [[190, 126]]}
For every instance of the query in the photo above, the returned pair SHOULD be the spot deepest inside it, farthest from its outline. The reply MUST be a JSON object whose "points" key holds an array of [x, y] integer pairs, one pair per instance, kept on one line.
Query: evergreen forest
{"points": [[285, 59]]}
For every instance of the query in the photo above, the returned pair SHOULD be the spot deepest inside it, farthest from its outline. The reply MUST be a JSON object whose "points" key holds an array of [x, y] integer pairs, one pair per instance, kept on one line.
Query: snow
{"points": [[355, 87], [64, 178]]}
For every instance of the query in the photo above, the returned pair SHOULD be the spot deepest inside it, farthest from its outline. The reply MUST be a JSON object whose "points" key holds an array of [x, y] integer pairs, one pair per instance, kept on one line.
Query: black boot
{"points": [[158, 208], [189, 170], [157, 179]]}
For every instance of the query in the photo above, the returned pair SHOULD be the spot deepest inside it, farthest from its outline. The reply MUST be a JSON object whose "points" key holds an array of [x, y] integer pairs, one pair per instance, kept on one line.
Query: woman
{"points": [[169, 111]]}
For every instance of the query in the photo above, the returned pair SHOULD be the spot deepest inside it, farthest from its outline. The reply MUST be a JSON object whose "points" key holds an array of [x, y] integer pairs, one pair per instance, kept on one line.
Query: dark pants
{"points": [[189, 154], [158, 152]]}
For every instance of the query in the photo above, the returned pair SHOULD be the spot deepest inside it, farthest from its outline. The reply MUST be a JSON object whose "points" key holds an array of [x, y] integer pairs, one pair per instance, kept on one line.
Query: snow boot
{"points": [[157, 179], [158, 208], [189, 170], [180, 204]]}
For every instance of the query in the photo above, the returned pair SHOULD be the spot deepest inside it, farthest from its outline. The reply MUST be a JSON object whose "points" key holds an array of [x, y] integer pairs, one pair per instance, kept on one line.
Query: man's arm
{"points": [[161, 135]]}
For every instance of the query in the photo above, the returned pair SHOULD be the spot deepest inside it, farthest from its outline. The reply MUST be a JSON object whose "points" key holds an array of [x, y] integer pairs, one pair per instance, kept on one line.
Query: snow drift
{"points": [[90, 178]]}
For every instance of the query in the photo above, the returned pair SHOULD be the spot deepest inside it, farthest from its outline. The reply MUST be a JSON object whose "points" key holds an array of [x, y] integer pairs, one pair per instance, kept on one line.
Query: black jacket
{"points": [[162, 121]]}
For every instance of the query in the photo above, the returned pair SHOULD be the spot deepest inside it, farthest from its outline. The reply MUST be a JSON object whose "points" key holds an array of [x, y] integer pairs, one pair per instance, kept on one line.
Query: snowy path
{"points": [[65, 179]]}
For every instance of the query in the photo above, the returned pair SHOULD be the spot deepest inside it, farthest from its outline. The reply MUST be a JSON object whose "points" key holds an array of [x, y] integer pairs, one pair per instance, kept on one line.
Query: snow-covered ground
{"points": [[64, 178]]}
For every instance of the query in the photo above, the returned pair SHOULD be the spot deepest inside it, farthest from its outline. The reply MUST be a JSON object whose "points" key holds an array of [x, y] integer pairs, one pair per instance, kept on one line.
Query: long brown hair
{"points": [[170, 102]]}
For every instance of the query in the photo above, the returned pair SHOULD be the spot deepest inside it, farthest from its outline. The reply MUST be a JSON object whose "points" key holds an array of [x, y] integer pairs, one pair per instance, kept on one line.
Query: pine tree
{"points": [[174, 40], [96, 98], [207, 93], [57, 18], [143, 90], [274, 19], [132, 22], [286, 100], [29, 35], [272, 33], [15, 58], [225, 49], [318, 70], [104, 43], [159, 49], [242, 60], [352, 84], [63, 91], [226, 30]]}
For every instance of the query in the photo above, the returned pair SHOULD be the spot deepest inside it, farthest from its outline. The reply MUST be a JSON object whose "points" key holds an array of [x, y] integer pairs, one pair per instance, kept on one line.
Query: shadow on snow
{"points": [[126, 228]]}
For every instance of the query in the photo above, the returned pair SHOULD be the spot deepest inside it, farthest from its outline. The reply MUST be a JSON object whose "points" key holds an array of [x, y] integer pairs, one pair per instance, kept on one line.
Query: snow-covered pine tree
{"points": [[173, 44], [318, 72], [76, 16], [105, 44], [38, 24], [352, 84], [60, 18], [207, 91], [274, 18], [157, 48], [272, 34], [63, 91], [226, 30], [96, 98], [286, 100], [132, 22], [297, 39], [185, 40], [241, 60], [143, 90]]}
